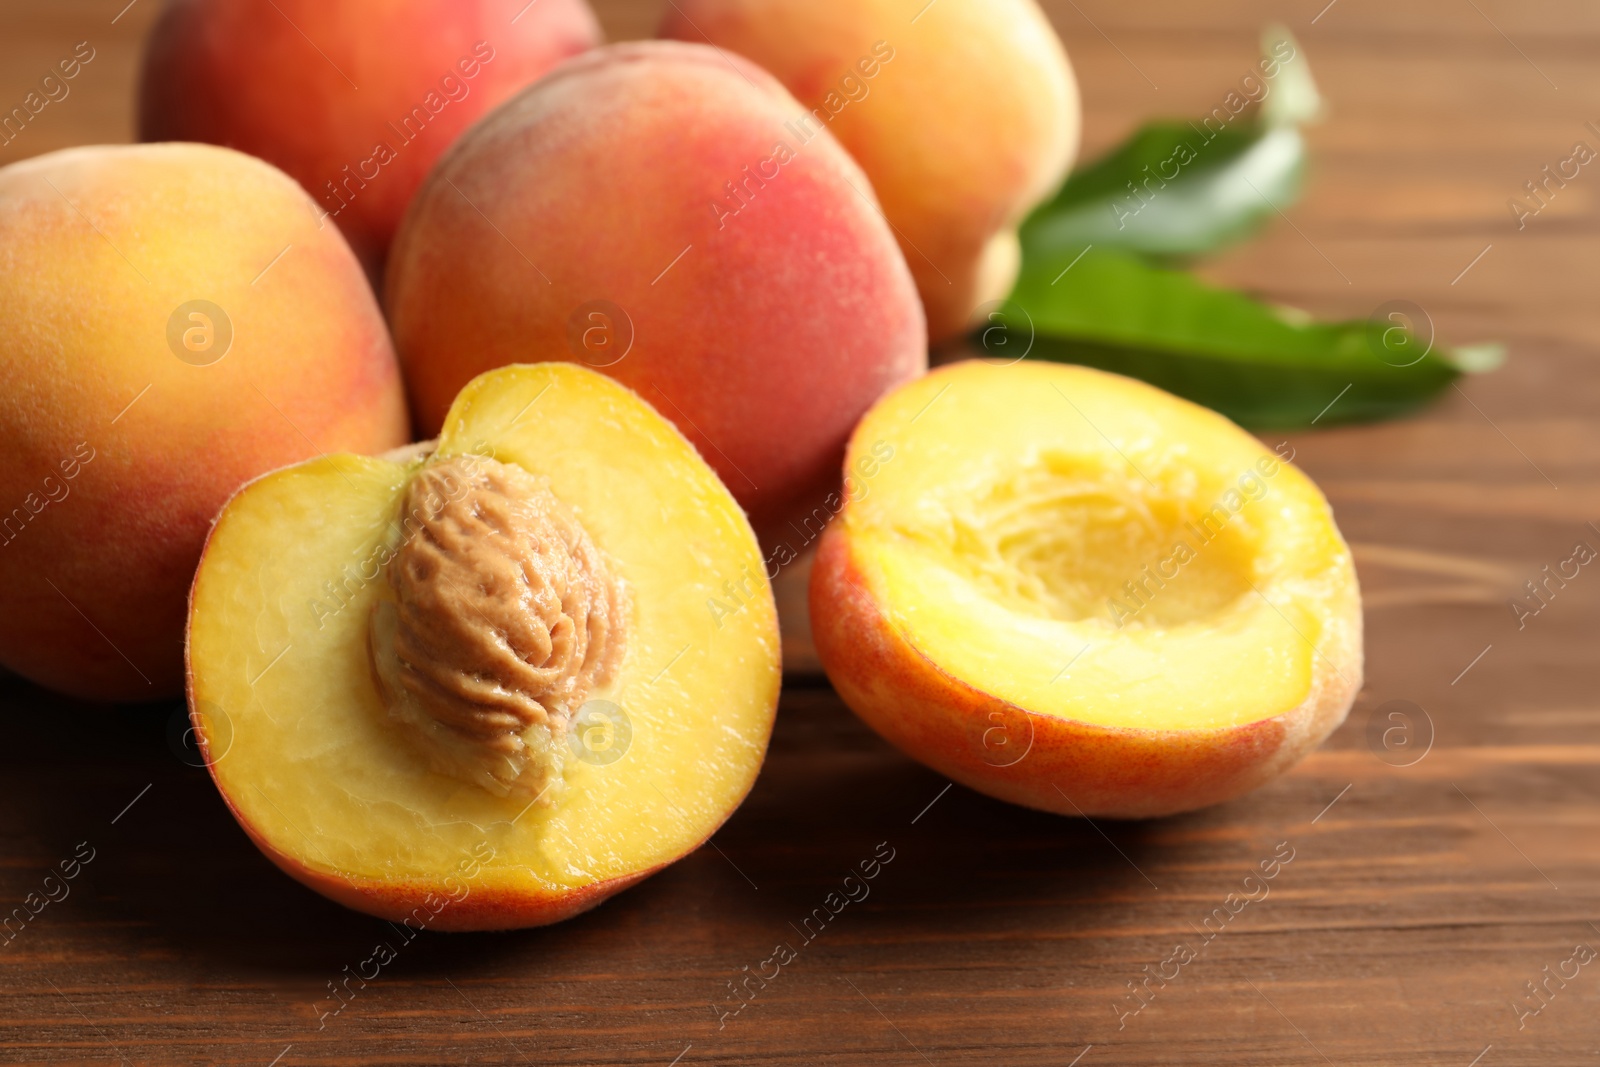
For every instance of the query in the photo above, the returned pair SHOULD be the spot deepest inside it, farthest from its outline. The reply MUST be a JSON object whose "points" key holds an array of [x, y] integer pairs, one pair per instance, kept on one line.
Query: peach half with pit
{"points": [[474, 684], [1076, 592]]}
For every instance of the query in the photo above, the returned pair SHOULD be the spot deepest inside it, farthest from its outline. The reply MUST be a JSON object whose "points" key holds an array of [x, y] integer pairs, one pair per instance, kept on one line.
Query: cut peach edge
{"points": [[1068, 767], [431, 906]]}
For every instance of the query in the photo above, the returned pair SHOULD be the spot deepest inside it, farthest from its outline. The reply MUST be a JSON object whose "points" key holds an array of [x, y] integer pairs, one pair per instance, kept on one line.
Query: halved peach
{"points": [[1073, 591], [478, 685]]}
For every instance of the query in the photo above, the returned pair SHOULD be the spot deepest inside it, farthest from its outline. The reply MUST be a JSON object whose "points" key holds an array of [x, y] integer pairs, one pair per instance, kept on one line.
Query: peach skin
{"points": [[173, 322], [964, 114], [1074, 592], [355, 101], [648, 211]]}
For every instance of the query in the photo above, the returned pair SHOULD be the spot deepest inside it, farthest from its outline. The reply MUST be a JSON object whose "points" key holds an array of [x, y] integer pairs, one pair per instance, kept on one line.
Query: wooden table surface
{"points": [[1421, 899]]}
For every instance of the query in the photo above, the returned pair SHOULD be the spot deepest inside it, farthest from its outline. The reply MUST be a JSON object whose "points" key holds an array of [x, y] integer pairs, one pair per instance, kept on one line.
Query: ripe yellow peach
{"points": [[173, 322], [1073, 591], [964, 113], [477, 685], [355, 101], [645, 211]]}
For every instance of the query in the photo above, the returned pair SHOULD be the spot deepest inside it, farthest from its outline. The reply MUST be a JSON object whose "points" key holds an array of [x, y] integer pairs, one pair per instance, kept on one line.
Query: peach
{"points": [[964, 113], [1072, 591], [355, 101], [173, 322], [478, 685], [648, 210]]}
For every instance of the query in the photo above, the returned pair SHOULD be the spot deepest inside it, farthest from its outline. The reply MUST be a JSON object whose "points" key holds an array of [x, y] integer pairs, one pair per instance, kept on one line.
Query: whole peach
{"points": [[355, 101], [648, 210], [964, 113], [174, 320]]}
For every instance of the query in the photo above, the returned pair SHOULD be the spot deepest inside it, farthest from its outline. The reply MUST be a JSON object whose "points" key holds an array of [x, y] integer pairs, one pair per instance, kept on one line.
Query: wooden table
{"points": [[1420, 899]]}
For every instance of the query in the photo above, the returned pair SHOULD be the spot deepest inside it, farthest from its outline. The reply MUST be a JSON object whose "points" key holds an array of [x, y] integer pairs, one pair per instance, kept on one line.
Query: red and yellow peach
{"points": [[964, 113], [174, 321], [653, 210], [354, 101]]}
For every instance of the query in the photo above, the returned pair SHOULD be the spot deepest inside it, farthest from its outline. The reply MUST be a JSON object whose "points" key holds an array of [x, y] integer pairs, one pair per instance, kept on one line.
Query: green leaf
{"points": [[1092, 290], [1180, 189], [1263, 367], [1224, 190]]}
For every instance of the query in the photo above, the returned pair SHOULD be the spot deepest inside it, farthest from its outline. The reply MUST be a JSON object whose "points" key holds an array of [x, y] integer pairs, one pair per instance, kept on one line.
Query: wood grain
{"points": [[1418, 903]]}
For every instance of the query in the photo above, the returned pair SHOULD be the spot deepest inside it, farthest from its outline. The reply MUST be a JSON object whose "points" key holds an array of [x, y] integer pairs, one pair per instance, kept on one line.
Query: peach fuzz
{"points": [[1006, 602], [355, 101], [128, 420], [964, 114], [645, 210]]}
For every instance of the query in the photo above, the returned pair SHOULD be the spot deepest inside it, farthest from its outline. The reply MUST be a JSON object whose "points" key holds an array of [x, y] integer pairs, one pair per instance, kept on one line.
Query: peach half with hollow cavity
{"points": [[474, 684], [1076, 592]]}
